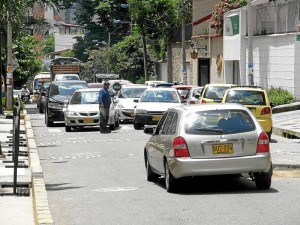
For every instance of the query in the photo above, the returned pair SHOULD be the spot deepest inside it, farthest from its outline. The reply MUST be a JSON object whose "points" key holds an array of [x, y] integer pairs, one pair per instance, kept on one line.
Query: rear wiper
{"points": [[218, 131]]}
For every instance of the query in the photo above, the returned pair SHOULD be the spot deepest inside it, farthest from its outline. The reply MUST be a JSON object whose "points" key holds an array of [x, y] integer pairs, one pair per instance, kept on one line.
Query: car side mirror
{"points": [[272, 105], [197, 96], [136, 101], [149, 130], [43, 93]]}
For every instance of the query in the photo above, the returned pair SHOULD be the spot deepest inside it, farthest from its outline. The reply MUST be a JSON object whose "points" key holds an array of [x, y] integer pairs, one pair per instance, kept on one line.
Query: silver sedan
{"points": [[201, 140]]}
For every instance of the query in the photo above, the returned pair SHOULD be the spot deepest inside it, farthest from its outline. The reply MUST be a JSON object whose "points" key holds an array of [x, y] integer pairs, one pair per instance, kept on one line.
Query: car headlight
{"points": [[140, 111], [120, 106], [54, 105], [70, 113]]}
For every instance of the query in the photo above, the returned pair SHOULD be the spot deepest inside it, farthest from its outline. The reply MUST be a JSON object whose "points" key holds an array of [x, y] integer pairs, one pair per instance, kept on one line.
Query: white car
{"points": [[62, 77], [83, 110], [153, 83], [153, 104], [193, 96], [126, 97]]}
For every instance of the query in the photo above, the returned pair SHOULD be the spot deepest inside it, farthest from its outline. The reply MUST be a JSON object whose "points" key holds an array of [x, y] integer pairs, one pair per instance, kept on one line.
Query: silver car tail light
{"points": [[263, 143], [180, 147]]}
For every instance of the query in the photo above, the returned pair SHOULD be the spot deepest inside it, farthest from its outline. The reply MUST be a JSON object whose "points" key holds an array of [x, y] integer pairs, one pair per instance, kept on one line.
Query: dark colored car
{"points": [[57, 98]]}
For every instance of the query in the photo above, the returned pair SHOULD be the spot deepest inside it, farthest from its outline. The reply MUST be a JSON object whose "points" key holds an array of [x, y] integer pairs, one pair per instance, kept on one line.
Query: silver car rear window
{"points": [[216, 122]]}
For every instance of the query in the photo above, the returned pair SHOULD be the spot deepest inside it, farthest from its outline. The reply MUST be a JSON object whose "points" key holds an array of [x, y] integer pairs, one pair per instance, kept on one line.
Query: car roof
{"points": [[208, 107], [161, 89], [247, 89], [183, 86], [70, 81], [220, 85], [134, 86], [89, 89]]}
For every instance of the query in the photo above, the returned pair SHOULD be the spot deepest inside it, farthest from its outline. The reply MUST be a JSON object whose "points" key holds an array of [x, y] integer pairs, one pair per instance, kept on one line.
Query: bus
{"points": [[37, 81]]}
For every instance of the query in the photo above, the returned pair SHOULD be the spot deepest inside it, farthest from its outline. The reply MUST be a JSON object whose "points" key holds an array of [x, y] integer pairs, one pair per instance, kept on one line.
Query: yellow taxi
{"points": [[214, 93], [256, 100]]}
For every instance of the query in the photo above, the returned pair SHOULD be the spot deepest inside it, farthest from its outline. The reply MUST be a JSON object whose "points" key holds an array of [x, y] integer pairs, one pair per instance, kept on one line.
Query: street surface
{"points": [[94, 178]]}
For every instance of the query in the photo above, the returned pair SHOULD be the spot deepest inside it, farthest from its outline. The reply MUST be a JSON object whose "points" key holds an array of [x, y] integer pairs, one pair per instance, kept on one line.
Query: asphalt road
{"points": [[94, 178]]}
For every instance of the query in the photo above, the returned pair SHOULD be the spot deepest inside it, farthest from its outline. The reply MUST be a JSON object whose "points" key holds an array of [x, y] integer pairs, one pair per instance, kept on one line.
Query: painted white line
{"points": [[115, 189], [54, 130]]}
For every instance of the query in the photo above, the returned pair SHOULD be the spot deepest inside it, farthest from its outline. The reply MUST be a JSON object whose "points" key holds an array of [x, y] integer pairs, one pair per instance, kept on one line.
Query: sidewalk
{"points": [[287, 124], [14, 210]]}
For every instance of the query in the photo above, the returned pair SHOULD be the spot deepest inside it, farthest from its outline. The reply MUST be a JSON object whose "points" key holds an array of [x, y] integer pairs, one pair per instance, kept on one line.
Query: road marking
{"points": [[115, 189], [54, 130]]}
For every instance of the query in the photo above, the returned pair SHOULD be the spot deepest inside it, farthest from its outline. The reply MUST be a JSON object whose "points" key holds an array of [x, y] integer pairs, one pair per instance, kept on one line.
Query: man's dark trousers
{"points": [[104, 117]]}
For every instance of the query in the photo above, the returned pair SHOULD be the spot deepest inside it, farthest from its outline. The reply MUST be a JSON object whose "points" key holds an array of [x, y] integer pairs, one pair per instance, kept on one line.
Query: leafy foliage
{"points": [[28, 59], [126, 58], [97, 63], [280, 96], [222, 7], [48, 45]]}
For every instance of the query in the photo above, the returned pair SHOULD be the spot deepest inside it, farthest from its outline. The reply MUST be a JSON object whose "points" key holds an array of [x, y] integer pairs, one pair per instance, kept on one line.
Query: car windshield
{"points": [[183, 92], [215, 92], [131, 92], [216, 122], [80, 97], [246, 97], [160, 96], [66, 77], [66, 88]]}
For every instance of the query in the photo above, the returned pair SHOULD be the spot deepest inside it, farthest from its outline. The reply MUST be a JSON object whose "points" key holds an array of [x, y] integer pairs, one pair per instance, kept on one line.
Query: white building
{"points": [[276, 45]]}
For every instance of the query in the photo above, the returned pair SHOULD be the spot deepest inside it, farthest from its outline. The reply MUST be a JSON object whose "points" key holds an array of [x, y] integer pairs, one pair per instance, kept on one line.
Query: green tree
{"points": [[126, 58], [28, 59], [48, 45]]}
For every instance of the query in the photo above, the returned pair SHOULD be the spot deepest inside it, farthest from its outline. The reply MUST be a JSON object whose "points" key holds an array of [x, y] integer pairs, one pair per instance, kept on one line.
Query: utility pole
{"points": [[1, 107], [250, 44], [109, 44], [184, 71], [145, 54], [9, 68]]}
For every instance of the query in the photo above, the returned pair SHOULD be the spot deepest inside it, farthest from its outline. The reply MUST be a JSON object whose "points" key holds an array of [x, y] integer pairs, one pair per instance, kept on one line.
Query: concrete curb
{"points": [[285, 133], [286, 108], [42, 213], [286, 166]]}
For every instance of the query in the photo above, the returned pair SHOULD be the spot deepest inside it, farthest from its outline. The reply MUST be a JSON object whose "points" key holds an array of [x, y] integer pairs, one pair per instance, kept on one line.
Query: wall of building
{"points": [[177, 62], [276, 62], [201, 9], [276, 58], [64, 41]]}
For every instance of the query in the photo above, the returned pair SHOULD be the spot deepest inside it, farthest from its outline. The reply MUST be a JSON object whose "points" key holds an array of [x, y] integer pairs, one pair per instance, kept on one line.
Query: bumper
{"points": [[126, 114], [56, 115], [187, 167], [76, 121], [147, 119], [266, 124]]}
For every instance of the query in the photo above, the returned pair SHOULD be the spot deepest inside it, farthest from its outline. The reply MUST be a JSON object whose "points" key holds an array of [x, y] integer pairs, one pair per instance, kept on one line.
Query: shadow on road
{"points": [[59, 187], [214, 185]]}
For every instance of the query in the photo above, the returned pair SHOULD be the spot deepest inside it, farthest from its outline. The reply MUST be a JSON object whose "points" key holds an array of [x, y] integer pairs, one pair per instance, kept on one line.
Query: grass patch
{"points": [[15, 100], [280, 96]]}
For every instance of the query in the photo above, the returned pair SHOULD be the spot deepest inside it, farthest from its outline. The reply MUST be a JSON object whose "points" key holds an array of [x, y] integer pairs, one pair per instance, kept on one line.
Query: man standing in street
{"points": [[104, 105]]}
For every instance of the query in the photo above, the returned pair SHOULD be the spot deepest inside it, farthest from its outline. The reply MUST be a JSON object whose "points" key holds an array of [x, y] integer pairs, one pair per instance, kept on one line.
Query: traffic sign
{"points": [[117, 86]]}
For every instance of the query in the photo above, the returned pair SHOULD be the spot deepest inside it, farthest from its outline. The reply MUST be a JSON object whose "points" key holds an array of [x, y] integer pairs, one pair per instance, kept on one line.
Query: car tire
{"points": [[68, 129], [170, 181], [137, 126], [263, 180], [151, 176], [47, 121], [270, 134]]}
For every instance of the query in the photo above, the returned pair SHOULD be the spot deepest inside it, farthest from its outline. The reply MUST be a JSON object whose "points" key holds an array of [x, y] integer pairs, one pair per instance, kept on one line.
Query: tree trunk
{"points": [[169, 60], [9, 93]]}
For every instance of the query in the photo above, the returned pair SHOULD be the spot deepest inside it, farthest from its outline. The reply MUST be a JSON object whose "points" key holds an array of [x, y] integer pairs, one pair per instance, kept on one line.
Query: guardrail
{"points": [[15, 141]]}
